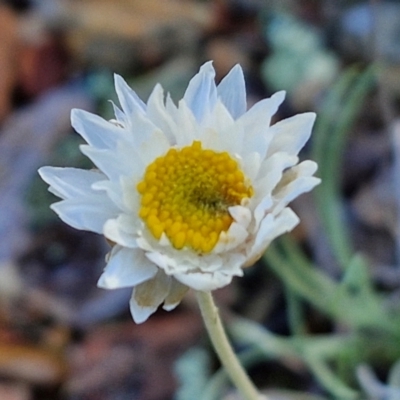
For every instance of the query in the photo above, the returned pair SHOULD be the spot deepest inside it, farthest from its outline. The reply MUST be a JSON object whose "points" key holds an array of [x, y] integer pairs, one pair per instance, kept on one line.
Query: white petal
{"points": [[107, 161], [294, 189], [270, 229], [125, 159], [114, 191], [255, 122], [233, 263], [156, 145], [70, 182], [140, 314], [307, 168], [250, 165], [147, 296], [133, 162], [201, 93], [291, 134], [220, 134], [204, 281], [129, 223], [187, 128], [125, 268], [144, 244], [262, 207], [241, 215], [130, 193], [176, 292], [87, 213], [129, 100], [148, 134], [232, 91], [271, 171], [170, 106], [172, 261], [119, 115], [230, 239], [211, 263], [159, 259], [112, 230], [302, 185], [95, 130], [142, 130], [158, 114]]}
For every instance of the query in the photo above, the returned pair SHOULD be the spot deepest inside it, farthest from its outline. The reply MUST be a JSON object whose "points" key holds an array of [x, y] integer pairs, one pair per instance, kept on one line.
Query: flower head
{"points": [[189, 194]]}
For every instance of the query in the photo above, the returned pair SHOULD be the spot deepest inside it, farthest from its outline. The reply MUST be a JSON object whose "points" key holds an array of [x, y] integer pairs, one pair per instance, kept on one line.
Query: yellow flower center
{"points": [[186, 194]]}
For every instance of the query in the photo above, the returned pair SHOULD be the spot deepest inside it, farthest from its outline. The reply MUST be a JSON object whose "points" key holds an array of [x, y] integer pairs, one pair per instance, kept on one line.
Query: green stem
{"points": [[223, 348]]}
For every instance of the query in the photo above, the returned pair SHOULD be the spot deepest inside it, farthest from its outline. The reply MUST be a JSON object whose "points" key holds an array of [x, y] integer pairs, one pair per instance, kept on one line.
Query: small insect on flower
{"points": [[190, 193]]}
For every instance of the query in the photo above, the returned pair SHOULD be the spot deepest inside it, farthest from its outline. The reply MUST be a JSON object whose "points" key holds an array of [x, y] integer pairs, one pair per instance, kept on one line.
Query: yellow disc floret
{"points": [[186, 195]]}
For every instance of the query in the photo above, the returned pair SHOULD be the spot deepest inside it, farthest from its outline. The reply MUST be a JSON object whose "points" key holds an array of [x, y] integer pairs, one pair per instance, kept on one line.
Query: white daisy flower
{"points": [[188, 194]]}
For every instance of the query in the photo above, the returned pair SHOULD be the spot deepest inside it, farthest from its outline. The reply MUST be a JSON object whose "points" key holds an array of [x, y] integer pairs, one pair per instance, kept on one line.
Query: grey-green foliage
{"points": [[337, 114], [298, 55], [192, 370], [374, 389]]}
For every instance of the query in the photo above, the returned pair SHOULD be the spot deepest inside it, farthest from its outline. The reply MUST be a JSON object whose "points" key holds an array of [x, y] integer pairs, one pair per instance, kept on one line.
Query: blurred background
{"points": [[62, 338]]}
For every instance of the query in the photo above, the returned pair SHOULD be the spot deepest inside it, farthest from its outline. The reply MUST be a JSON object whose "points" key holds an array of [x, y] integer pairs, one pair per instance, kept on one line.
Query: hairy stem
{"points": [[223, 348]]}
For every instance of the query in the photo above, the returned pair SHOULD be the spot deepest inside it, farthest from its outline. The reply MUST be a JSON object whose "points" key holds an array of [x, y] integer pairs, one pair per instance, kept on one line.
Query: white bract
{"points": [[188, 194]]}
